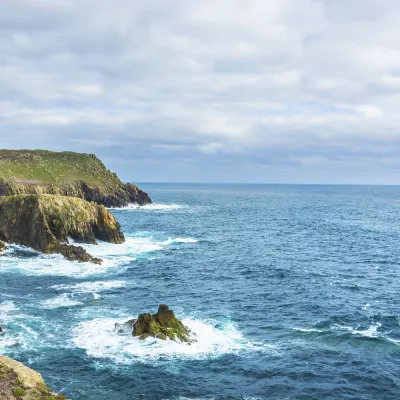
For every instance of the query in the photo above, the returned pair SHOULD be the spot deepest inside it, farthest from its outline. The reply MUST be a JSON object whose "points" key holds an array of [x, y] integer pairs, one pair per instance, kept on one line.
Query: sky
{"points": [[277, 91]]}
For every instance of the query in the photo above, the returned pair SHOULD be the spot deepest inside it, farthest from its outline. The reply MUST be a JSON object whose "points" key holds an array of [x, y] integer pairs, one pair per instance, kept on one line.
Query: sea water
{"points": [[292, 291]]}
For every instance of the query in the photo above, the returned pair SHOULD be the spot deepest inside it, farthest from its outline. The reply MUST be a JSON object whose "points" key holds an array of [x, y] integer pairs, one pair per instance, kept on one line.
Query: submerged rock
{"points": [[67, 174], [20, 382], [161, 325], [45, 222]]}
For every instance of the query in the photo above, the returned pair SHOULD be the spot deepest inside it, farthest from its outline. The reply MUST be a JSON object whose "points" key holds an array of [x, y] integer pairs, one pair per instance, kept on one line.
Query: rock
{"points": [[46, 222], [20, 382], [3, 246], [161, 325], [65, 173], [126, 327]]}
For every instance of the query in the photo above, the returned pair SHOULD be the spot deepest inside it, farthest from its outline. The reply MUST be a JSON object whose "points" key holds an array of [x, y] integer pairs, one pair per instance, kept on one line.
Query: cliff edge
{"points": [[65, 173], [47, 222]]}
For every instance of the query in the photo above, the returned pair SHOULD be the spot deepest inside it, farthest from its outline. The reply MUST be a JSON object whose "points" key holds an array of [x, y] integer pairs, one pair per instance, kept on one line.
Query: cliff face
{"points": [[67, 174], [20, 382], [45, 222]]}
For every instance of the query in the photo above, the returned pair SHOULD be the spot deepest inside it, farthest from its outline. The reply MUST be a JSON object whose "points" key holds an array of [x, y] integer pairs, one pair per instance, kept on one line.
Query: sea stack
{"points": [[161, 325]]}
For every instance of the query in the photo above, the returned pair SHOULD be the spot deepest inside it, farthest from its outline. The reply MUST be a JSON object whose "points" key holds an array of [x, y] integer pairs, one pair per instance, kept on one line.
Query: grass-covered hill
{"points": [[65, 173]]}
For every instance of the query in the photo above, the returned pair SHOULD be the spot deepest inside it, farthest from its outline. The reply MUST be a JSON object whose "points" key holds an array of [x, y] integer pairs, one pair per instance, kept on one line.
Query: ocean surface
{"points": [[293, 293]]}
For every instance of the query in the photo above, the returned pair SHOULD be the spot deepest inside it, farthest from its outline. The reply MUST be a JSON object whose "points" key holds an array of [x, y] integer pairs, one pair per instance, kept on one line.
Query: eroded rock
{"points": [[20, 382], [46, 222], [161, 325]]}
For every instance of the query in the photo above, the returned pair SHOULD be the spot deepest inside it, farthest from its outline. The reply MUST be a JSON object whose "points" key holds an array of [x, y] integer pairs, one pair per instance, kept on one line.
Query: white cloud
{"points": [[290, 80]]}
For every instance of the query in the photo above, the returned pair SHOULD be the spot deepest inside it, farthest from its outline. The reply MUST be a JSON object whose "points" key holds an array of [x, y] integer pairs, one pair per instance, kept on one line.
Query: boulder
{"points": [[47, 222], [161, 325], [20, 382]]}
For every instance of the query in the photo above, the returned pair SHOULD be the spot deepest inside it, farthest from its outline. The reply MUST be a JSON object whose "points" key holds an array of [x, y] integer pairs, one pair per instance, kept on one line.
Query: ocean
{"points": [[292, 290]]}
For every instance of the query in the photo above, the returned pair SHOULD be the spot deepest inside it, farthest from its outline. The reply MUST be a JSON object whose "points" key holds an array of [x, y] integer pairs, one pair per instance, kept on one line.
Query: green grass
{"points": [[18, 392], [55, 167]]}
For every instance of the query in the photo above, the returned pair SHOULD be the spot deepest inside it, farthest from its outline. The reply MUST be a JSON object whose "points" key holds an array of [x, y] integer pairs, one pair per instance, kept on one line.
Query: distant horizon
{"points": [[262, 183]]}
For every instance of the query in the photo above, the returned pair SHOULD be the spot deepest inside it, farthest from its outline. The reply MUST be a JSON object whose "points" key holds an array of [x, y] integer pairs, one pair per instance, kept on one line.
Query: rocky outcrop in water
{"points": [[161, 325], [66, 174], [20, 382], [3, 246], [46, 222]]}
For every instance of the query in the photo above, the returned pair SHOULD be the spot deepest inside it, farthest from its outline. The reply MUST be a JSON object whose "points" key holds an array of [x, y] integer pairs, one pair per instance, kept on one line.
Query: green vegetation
{"points": [[54, 167], [18, 392], [67, 174], [161, 325]]}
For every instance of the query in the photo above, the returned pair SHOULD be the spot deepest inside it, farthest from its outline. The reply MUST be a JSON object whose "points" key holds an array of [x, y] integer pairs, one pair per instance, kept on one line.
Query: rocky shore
{"points": [[46, 222], [48, 198], [20, 382]]}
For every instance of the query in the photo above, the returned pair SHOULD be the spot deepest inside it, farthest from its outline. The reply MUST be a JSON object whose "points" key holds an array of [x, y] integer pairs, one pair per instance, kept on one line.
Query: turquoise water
{"points": [[293, 292]]}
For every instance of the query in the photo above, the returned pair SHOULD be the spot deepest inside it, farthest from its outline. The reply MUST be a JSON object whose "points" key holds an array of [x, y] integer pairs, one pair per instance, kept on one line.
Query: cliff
{"points": [[67, 174], [45, 222], [20, 382]]}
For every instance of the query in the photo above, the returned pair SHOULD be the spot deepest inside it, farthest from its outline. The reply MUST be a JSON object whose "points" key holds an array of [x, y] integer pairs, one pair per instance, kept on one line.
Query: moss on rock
{"points": [[45, 222], [20, 382], [65, 173], [161, 325], [3, 246]]}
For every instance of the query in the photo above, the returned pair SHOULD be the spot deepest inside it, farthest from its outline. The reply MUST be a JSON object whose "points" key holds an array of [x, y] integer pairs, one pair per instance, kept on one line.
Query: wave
{"points": [[98, 338], [179, 240], [85, 287], [150, 207], [60, 301], [116, 257], [374, 327]]}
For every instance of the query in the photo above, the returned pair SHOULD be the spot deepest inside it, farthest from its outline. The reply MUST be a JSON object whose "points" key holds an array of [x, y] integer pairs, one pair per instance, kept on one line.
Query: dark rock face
{"points": [[120, 196], [44, 222], [161, 325]]}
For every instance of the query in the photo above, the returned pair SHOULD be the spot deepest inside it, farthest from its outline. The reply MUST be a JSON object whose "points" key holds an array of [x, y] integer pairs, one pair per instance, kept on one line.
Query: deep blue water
{"points": [[293, 292]]}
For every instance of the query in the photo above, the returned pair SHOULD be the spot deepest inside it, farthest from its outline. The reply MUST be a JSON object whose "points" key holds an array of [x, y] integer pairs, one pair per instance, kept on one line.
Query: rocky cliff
{"points": [[46, 222], [65, 173], [20, 382]]}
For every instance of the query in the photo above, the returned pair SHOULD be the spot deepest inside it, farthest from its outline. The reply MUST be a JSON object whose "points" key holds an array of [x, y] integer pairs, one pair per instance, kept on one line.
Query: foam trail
{"points": [[85, 287], [60, 301], [150, 207], [115, 256], [100, 340]]}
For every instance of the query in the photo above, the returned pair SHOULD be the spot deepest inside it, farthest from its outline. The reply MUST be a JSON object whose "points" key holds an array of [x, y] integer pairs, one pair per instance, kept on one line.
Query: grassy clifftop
{"points": [[54, 167], [65, 173]]}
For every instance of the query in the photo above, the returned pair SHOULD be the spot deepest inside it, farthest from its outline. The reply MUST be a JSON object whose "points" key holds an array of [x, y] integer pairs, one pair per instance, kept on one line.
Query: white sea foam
{"points": [[307, 330], [115, 257], [371, 331], [90, 287], [99, 339], [62, 300], [150, 207], [179, 240]]}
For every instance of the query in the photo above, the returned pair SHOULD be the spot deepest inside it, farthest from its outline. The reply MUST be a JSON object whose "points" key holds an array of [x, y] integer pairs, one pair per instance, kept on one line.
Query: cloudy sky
{"points": [[291, 91]]}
